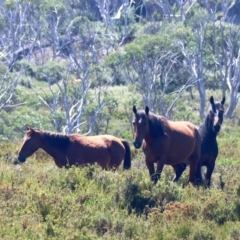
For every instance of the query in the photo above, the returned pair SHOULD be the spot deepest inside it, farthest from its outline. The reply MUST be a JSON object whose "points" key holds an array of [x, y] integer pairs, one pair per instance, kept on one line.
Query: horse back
{"points": [[105, 149], [185, 138], [182, 130], [110, 142]]}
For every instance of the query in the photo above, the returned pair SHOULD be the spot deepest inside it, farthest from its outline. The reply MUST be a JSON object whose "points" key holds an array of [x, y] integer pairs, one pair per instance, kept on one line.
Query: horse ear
{"points": [[29, 129], [134, 109], [211, 100], [223, 100], [147, 110]]}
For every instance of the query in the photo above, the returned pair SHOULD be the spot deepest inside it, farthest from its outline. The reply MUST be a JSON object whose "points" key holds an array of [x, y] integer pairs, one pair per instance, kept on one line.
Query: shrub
{"points": [[52, 71]]}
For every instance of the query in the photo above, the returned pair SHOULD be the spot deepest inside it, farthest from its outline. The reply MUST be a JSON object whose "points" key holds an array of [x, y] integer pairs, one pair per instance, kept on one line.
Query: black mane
{"points": [[206, 130], [57, 140], [156, 125]]}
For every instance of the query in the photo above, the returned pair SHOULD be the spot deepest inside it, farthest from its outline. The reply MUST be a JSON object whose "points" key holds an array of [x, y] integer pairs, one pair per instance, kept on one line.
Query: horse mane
{"points": [[57, 140], [157, 125]]}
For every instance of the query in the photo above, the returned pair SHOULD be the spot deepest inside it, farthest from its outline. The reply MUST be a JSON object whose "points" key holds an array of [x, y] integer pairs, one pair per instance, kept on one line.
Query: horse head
{"points": [[216, 113], [141, 126], [30, 144]]}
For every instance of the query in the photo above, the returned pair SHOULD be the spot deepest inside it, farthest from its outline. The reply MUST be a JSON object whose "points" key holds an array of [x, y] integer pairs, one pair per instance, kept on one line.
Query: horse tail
{"points": [[198, 175], [199, 142], [127, 156]]}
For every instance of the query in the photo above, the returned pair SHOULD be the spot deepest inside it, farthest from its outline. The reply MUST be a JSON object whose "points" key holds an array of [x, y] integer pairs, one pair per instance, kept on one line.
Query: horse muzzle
{"points": [[137, 144], [21, 159], [217, 128]]}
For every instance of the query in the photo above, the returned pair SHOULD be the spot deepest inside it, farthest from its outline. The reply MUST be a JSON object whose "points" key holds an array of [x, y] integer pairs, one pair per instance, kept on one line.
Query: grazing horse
{"points": [[166, 142], [208, 130], [75, 149]]}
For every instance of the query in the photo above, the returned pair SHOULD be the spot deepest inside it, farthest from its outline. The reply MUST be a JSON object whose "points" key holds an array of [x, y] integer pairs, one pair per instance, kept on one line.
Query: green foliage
{"points": [[52, 70], [151, 50], [47, 5], [39, 200], [13, 126], [3, 22], [3, 70], [82, 26], [25, 66], [90, 203], [10, 4], [197, 16]]}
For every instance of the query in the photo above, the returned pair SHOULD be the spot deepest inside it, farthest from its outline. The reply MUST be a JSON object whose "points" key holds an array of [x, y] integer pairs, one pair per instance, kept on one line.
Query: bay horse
{"points": [[75, 149], [166, 142], [208, 131]]}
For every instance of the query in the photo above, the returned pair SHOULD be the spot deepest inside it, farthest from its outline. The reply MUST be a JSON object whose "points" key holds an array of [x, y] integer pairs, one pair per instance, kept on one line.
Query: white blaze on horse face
{"points": [[140, 121], [215, 121], [216, 118]]}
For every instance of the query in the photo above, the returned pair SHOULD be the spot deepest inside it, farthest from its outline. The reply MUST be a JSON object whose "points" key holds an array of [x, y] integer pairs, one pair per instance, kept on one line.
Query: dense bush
{"points": [[39, 200], [52, 71]]}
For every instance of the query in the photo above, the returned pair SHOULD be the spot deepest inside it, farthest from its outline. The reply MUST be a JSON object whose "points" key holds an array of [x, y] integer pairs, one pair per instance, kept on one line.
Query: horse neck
{"points": [[206, 131], [155, 130], [48, 148], [149, 139]]}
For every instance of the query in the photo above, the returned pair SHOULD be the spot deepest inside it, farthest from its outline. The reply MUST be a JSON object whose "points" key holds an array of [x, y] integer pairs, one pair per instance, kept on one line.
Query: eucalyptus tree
{"points": [[224, 51], [227, 59], [194, 57], [153, 64], [84, 83]]}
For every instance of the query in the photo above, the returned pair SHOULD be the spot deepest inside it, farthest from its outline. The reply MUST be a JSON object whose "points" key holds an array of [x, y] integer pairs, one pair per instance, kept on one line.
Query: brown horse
{"points": [[75, 149], [166, 142]]}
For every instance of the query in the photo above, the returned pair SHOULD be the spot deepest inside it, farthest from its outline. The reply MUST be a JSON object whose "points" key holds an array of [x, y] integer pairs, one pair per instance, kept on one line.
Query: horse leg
{"points": [[192, 171], [198, 175], [151, 169], [160, 164], [210, 169], [62, 161], [179, 169]]}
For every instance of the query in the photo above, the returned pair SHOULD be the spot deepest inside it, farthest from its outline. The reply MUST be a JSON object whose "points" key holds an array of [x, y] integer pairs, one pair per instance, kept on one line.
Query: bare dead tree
{"points": [[21, 30], [70, 104], [195, 65], [111, 15], [73, 105], [231, 69], [52, 105], [233, 80], [73, 94], [105, 11], [227, 55], [8, 87], [221, 57], [166, 8], [152, 77], [16, 20], [122, 13], [212, 7]]}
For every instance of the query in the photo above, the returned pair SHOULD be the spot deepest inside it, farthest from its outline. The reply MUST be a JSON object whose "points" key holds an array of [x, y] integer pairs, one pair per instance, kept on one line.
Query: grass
{"points": [[40, 201]]}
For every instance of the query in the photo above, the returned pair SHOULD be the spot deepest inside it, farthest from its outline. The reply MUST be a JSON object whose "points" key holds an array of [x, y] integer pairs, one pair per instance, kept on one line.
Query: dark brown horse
{"points": [[208, 130], [166, 142], [75, 149]]}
